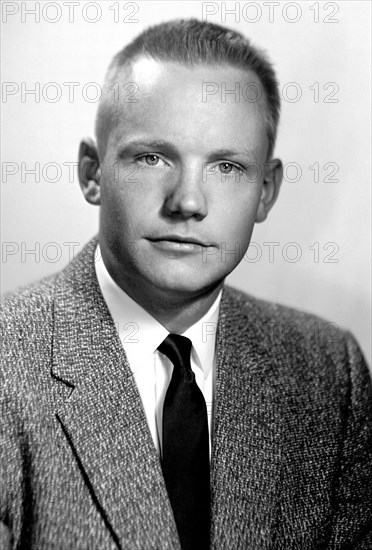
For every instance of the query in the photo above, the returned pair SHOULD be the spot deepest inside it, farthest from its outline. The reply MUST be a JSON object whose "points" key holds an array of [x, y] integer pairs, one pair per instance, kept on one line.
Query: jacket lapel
{"points": [[102, 414], [246, 433]]}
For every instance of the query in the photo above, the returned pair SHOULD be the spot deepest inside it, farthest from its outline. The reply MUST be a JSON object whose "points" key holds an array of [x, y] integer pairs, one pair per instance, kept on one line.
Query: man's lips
{"points": [[182, 240]]}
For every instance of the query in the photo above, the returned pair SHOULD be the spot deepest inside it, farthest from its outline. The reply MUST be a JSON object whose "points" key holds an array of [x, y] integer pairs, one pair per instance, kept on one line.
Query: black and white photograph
{"points": [[185, 275]]}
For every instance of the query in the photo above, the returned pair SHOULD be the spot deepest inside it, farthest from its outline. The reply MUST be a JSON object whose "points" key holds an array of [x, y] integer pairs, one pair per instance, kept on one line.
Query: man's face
{"points": [[182, 178]]}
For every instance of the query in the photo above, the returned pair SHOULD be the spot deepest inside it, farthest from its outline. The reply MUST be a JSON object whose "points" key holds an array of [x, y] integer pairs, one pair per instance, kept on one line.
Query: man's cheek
{"points": [[133, 251]]}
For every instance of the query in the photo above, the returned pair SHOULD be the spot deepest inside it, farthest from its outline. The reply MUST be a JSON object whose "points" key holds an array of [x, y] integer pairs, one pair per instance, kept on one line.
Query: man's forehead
{"points": [[151, 74], [153, 89], [165, 98]]}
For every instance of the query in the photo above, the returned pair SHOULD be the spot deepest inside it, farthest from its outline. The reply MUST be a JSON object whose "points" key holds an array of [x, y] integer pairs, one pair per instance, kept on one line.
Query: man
{"points": [[145, 405]]}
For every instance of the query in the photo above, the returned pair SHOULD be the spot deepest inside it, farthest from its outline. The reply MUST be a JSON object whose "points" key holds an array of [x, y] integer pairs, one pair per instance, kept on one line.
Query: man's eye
{"points": [[151, 160], [226, 167]]}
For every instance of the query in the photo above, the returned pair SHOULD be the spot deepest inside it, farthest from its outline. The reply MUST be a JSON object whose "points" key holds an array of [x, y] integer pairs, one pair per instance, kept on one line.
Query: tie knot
{"points": [[177, 348]]}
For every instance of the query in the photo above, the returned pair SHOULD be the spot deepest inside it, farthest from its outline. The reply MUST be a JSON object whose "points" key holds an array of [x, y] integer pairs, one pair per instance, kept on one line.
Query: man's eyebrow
{"points": [[149, 144], [252, 153], [128, 146]]}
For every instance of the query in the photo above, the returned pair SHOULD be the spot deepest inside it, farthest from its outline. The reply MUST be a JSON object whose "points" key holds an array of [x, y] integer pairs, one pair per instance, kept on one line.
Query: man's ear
{"points": [[270, 189], [89, 171]]}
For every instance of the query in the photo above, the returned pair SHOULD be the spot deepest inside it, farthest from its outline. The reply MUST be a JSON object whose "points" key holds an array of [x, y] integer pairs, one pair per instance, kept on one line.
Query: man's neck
{"points": [[174, 311], [177, 315]]}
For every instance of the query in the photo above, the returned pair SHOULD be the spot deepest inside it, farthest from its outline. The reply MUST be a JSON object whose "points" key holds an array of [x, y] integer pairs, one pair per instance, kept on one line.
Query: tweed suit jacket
{"points": [[291, 463]]}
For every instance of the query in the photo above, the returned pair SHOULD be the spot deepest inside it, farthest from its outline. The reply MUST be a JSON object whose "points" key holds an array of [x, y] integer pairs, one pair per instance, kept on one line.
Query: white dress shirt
{"points": [[141, 334]]}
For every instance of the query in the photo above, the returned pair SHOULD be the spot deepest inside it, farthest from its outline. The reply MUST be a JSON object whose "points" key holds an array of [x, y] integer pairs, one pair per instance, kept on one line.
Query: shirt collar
{"points": [[141, 334], [203, 337]]}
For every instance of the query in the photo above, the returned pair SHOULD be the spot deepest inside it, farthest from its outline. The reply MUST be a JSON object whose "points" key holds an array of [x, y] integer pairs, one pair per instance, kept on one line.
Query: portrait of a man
{"points": [[145, 403]]}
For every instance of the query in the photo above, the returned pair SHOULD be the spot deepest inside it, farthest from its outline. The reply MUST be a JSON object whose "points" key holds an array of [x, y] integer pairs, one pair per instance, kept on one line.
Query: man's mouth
{"points": [[180, 243]]}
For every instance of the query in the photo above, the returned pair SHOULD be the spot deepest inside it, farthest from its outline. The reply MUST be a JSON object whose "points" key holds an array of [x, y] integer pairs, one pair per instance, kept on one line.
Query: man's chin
{"points": [[187, 284]]}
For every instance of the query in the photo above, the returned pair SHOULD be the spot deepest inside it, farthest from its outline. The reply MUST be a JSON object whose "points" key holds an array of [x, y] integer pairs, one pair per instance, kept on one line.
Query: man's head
{"points": [[181, 178], [192, 42]]}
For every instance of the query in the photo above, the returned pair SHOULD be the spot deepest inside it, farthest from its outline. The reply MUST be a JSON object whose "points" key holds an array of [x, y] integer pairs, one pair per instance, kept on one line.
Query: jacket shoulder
{"points": [[27, 303], [277, 323], [305, 348], [273, 310], [26, 327]]}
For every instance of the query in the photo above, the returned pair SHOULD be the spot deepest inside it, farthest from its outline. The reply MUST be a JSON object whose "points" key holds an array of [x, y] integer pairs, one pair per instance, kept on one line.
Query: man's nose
{"points": [[186, 196]]}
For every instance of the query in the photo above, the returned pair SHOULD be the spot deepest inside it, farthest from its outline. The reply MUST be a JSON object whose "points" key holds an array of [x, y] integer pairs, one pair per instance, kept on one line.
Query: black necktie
{"points": [[186, 447]]}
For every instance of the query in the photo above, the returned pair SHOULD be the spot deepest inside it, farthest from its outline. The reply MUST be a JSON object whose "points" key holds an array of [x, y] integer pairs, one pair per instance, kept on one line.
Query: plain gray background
{"points": [[313, 253]]}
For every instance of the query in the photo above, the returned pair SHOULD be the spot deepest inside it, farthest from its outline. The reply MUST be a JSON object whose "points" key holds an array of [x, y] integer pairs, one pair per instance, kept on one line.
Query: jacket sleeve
{"points": [[4, 537], [352, 518], [11, 478]]}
